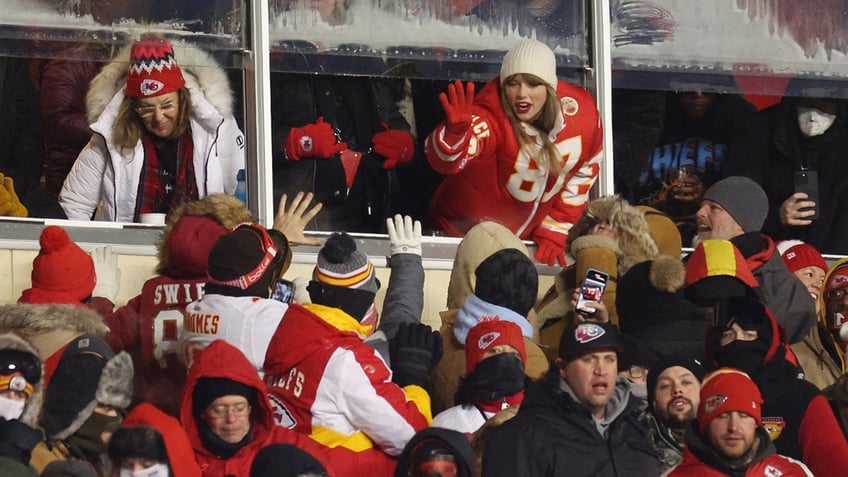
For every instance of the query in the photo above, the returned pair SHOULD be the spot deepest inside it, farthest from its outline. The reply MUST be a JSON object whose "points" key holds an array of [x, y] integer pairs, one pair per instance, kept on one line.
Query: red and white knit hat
{"points": [[797, 255], [488, 333], [726, 390], [153, 69]]}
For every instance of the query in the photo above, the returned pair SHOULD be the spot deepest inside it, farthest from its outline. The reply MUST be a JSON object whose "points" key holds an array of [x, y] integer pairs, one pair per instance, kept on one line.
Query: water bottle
{"points": [[241, 186]]}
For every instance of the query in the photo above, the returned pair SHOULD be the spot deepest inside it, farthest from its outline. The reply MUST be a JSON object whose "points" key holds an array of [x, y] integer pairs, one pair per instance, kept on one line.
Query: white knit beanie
{"points": [[532, 57]]}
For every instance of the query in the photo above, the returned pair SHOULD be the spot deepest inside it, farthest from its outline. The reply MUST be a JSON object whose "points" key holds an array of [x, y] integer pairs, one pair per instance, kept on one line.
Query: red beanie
{"points": [[797, 255], [488, 333], [62, 266], [726, 390], [153, 69]]}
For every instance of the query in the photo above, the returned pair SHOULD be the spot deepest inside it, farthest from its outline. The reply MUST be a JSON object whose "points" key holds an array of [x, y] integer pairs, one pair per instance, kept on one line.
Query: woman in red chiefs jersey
{"points": [[524, 152]]}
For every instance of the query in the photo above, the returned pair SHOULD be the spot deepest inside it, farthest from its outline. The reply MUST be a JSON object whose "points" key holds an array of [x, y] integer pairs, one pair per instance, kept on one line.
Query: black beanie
{"points": [[285, 460], [209, 389], [70, 397], [669, 361], [238, 253], [142, 442], [509, 279]]}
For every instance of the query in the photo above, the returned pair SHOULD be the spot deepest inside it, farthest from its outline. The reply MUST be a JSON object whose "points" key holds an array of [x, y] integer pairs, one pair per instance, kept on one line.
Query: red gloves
{"points": [[396, 145], [457, 105], [313, 140], [551, 247]]}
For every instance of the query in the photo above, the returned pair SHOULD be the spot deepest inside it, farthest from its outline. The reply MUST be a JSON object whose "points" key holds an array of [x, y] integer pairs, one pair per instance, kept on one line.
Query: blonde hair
{"points": [[129, 127], [544, 122]]}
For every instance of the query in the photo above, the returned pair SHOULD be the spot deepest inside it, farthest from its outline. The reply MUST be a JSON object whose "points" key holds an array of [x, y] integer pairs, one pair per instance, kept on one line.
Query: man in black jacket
{"points": [[580, 420]]}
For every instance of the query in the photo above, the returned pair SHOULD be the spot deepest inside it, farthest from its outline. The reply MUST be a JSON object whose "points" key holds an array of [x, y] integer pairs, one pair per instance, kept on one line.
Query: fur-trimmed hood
{"points": [[50, 327], [634, 237], [201, 72], [224, 209], [33, 405]]}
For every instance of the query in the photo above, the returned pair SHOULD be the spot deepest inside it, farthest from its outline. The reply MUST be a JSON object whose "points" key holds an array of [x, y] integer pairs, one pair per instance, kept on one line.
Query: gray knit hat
{"points": [[743, 199], [340, 264]]}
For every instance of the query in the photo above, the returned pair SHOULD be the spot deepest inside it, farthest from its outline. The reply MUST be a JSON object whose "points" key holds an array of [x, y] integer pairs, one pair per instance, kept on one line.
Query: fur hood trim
{"points": [[33, 405], [29, 320], [116, 382], [201, 72], [634, 237], [225, 209], [667, 274]]}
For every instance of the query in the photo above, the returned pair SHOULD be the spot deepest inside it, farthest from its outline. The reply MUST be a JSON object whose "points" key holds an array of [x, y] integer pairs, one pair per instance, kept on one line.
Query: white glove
{"points": [[404, 236], [108, 273]]}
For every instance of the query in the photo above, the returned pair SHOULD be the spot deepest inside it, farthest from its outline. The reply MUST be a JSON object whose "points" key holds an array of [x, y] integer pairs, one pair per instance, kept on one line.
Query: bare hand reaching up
{"points": [[292, 221]]}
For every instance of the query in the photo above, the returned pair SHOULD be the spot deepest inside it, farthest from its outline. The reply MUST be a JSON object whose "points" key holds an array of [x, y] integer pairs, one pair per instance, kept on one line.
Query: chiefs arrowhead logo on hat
{"points": [[486, 340], [18, 383], [713, 402], [587, 332]]}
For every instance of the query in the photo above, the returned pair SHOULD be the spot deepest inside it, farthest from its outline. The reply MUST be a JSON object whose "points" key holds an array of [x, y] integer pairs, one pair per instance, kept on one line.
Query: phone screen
{"points": [[592, 289], [283, 291]]}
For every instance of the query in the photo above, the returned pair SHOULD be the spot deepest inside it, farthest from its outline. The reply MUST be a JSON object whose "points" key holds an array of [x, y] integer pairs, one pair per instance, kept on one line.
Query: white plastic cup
{"points": [[152, 218]]}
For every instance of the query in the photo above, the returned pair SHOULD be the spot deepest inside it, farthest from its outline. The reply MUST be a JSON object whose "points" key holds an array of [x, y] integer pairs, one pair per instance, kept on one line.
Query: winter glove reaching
{"points": [[313, 140], [396, 145], [457, 103], [415, 351], [404, 235], [550, 248], [107, 272], [10, 205]]}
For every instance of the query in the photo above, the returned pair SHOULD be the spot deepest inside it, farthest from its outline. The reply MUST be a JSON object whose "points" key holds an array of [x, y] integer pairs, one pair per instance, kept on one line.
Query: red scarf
{"points": [[152, 193], [498, 405]]}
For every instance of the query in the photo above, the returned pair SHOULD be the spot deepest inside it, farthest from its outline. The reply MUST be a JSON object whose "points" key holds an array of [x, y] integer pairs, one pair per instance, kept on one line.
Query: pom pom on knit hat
{"points": [[797, 255], [340, 264], [62, 266], [153, 69], [743, 199], [530, 57], [488, 333], [726, 390]]}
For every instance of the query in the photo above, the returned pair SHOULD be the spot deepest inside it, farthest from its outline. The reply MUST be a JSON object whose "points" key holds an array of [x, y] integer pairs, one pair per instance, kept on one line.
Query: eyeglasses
{"points": [[836, 294], [147, 110], [222, 411]]}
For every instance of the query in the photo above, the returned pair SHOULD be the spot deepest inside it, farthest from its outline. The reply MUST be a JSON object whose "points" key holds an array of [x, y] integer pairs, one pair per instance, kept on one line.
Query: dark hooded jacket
{"points": [[19, 436], [796, 415], [771, 149], [454, 441], [553, 435], [222, 360]]}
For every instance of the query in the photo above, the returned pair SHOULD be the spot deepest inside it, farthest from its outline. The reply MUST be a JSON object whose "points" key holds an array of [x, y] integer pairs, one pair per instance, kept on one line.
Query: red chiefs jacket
{"points": [[491, 178]]}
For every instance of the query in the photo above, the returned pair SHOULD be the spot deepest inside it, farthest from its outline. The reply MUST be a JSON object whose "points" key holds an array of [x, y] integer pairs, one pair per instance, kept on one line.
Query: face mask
{"points": [[499, 376], [11, 408], [157, 470], [89, 437], [814, 122], [743, 355]]}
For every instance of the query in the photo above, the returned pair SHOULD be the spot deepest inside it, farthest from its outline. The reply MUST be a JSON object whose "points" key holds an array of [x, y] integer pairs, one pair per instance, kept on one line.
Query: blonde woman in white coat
{"points": [[164, 134]]}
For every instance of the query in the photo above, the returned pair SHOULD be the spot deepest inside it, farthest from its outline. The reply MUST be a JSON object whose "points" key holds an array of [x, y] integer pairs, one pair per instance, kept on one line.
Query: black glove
{"points": [[17, 440], [415, 350]]}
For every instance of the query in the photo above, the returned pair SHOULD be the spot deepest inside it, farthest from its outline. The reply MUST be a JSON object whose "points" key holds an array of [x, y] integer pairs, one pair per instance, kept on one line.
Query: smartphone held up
{"points": [[591, 290]]}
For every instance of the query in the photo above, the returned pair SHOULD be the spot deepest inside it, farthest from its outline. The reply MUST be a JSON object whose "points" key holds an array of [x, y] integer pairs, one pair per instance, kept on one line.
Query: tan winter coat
{"points": [[633, 245], [479, 243]]}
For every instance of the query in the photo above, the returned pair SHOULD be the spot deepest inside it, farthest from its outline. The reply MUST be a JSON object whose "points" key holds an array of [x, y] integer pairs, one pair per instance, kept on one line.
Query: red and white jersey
{"points": [[491, 177], [324, 381], [248, 323]]}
